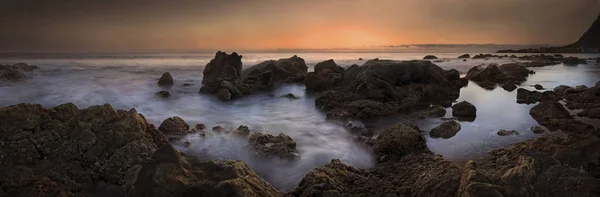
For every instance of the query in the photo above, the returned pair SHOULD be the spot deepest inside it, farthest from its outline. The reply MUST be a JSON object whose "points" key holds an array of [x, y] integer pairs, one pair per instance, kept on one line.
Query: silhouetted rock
{"points": [[327, 74], [506, 74], [464, 56], [591, 38], [222, 76], [445, 130], [573, 61], [165, 79], [163, 94], [430, 57], [290, 96], [503, 132], [270, 74], [538, 87], [509, 87], [528, 97], [360, 59]]}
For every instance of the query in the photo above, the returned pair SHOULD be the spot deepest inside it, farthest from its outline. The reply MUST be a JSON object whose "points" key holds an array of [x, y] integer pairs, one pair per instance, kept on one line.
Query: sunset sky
{"points": [[157, 25]]}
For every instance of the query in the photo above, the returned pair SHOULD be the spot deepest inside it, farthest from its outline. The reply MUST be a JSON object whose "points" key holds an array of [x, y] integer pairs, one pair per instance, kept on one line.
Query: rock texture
{"points": [[174, 126], [165, 79], [269, 74], [267, 145], [445, 130], [464, 110], [327, 74], [15, 73], [507, 74]]}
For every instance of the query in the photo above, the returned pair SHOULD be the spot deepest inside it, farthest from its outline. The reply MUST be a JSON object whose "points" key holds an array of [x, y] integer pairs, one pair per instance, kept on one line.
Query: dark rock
{"points": [[528, 97], [546, 111], [483, 56], [537, 129], [163, 94], [445, 130], [165, 79], [475, 183], [15, 73], [590, 38], [509, 87], [360, 59], [187, 84], [241, 131], [290, 96], [506, 74], [538, 87], [218, 129], [223, 77], [430, 57], [267, 145], [464, 110], [573, 61], [174, 126], [437, 111], [593, 113], [464, 56], [503, 132], [561, 90], [327, 74], [224, 94], [270, 74], [397, 141]]}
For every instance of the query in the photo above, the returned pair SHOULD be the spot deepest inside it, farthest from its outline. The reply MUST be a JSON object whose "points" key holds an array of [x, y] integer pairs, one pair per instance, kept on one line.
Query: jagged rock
{"points": [[537, 129], [222, 76], [464, 56], [538, 87], [507, 74], [503, 132], [326, 75], [270, 74], [218, 129], [445, 130], [267, 145], [241, 131], [397, 141], [64, 151], [165, 79], [171, 173], [546, 111], [430, 57], [561, 90], [464, 110], [163, 94], [174, 126], [437, 111]]}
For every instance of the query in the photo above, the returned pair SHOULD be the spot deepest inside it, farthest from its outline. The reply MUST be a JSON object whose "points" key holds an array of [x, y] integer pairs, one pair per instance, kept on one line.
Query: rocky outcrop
{"points": [[174, 126], [430, 57], [465, 56], [507, 74], [464, 111], [384, 87], [15, 73], [165, 79], [590, 38], [223, 76], [573, 61], [269, 74], [327, 74], [267, 145], [445, 130], [548, 111]]}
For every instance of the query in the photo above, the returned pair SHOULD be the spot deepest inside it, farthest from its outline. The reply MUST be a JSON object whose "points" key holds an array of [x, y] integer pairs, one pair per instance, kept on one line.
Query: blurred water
{"points": [[129, 81]]}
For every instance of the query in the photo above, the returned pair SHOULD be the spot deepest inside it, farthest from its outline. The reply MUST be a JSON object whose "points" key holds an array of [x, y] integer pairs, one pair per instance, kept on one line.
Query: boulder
{"points": [[465, 56], [165, 79], [174, 126], [464, 110], [430, 57], [507, 74], [397, 141], [327, 74], [163, 94], [270, 74], [222, 76], [538, 87], [546, 111], [528, 97], [503, 132], [267, 145], [509, 87], [445, 130], [437, 111]]}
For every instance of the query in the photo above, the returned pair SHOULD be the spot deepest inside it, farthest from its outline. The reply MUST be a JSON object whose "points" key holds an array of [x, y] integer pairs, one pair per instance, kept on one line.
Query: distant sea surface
{"points": [[129, 81]]}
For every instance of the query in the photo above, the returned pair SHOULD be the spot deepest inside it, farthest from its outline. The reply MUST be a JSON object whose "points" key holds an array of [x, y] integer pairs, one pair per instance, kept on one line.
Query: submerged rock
{"points": [[165, 79], [509, 87], [445, 130], [437, 111], [430, 57], [573, 61], [163, 94], [464, 110], [267, 145], [174, 126], [290, 96], [15, 73], [503, 132]]}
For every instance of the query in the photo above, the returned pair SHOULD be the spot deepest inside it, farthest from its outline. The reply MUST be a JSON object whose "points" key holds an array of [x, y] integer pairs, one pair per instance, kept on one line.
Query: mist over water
{"points": [[129, 81]]}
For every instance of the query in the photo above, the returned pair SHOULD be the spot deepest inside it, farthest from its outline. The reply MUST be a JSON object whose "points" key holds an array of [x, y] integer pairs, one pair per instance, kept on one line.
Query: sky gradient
{"points": [[156, 25]]}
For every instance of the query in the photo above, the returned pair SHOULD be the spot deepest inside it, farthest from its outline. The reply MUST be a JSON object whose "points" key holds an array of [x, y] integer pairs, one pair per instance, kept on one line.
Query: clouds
{"points": [[154, 25]]}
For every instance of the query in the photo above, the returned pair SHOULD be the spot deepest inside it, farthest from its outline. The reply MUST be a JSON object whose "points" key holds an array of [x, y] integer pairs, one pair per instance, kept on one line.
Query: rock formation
{"points": [[267, 145], [165, 79], [430, 57], [464, 111], [16, 72], [506, 74], [445, 130], [327, 74], [269, 74]]}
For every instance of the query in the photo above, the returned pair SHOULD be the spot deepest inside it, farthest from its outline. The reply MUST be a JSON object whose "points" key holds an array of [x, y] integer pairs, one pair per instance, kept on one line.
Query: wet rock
{"points": [[573, 61], [163, 94], [475, 183], [538, 87], [397, 141], [430, 57], [267, 145], [187, 84], [464, 110], [290, 96], [199, 129], [546, 111], [270, 74], [174, 126], [445, 130], [224, 94], [15, 73], [171, 173], [464, 56], [509, 87], [165, 79], [437, 111], [528, 97], [218, 129], [507, 74], [327, 74], [241, 131], [593, 113], [222, 76], [561, 90], [537, 129], [503, 132]]}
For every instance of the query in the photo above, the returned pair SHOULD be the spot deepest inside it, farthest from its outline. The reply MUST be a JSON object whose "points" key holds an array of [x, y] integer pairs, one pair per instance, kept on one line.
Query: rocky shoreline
{"points": [[102, 151]]}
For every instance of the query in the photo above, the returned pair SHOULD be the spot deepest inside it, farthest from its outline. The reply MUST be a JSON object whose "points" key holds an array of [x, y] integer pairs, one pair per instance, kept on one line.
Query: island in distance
{"points": [[588, 43]]}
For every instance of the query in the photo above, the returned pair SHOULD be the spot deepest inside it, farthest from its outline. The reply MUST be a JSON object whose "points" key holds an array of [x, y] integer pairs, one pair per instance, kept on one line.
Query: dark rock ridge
{"points": [[15, 73], [163, 94], [166, 79], [465, 56], [528, 97], [385, 87], [224, 76], [506, 74], [430, 57], [589, 42], [100, 151]]}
